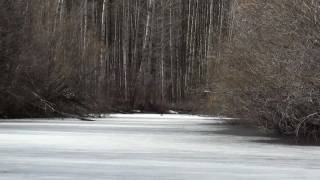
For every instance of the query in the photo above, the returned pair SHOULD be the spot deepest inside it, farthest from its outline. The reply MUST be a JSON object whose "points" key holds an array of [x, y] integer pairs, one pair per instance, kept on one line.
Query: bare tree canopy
{"points": [[109, 53], [256, 59]]}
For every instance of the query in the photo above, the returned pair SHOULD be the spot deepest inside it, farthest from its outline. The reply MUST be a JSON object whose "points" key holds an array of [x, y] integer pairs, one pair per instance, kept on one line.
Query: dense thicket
{"points": [[70, 56], [268, 71], [258, 59]]}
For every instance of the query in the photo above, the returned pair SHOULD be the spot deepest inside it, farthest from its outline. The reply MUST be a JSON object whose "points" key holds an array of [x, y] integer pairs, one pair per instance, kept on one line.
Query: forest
{"points": [[257, 60]]}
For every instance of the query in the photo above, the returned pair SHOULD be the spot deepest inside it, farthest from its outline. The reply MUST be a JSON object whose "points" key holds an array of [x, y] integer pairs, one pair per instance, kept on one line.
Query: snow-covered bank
{"points": [[165, 116], [146, 147]]}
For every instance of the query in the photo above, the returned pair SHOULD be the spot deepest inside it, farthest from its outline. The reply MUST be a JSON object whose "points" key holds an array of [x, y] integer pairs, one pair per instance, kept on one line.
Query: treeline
{"points": [[103, 55], [254, 59], [268, 72]]}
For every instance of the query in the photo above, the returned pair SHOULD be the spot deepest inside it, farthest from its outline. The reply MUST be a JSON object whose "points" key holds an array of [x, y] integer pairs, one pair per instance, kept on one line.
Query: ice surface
{"points": [[146, 147]]}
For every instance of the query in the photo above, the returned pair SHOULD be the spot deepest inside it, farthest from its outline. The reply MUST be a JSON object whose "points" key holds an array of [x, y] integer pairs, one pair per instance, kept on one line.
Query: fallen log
{"points": [[44, 105]]}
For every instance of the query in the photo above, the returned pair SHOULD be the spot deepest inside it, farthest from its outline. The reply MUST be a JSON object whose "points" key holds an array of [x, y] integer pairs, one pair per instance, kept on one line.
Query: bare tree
{"points": [[269, 69]]}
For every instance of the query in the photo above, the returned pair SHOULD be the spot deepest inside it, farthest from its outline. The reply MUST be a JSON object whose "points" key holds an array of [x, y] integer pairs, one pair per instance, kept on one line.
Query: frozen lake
{"points": [[147, 147]]}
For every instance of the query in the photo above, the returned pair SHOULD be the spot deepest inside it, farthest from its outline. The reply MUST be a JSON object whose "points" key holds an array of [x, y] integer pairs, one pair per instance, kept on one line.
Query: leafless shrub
{"points": [[269, 72]]}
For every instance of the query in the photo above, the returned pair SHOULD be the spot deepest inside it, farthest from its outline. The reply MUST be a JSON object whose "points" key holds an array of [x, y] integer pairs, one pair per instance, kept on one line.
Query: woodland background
{"points": [[253, 59]]}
